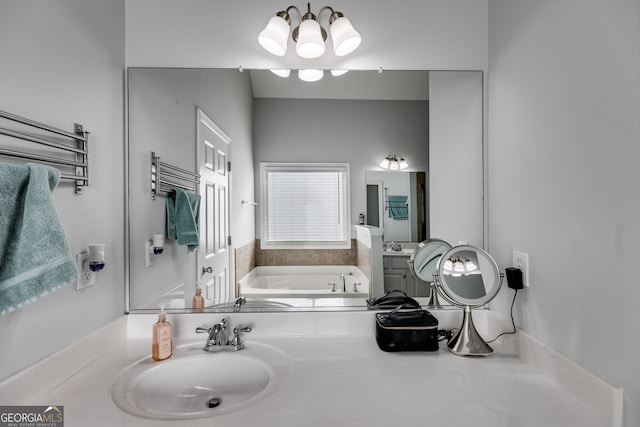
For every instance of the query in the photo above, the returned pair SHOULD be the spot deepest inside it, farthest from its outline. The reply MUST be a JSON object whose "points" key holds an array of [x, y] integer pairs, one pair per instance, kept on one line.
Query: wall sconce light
{"points": [[309, 35], [88, 264], [394, 162], [155, 246]]}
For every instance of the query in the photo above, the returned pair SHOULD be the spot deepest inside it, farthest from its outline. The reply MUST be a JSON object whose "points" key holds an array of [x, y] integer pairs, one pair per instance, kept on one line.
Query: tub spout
{"points": [[344, 282], [238, 303]]}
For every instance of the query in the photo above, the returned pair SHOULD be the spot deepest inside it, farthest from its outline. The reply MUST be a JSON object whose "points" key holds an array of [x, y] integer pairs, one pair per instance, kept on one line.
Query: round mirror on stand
{"points": [[423, 264], [468, 277]]}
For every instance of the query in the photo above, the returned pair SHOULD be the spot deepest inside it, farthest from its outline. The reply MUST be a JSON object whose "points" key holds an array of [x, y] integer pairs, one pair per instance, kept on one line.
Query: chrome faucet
{"points": [[218, 339], [396, 247], [238, 304], [344, 282]]}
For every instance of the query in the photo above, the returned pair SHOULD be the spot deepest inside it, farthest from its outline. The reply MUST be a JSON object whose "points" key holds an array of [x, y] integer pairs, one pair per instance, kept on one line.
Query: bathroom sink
{"points": [[196, 384]]}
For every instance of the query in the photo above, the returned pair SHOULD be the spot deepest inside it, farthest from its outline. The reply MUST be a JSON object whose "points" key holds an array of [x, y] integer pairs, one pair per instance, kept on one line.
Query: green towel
{"points": [[183, 213], [35, 259], [398, 208]]}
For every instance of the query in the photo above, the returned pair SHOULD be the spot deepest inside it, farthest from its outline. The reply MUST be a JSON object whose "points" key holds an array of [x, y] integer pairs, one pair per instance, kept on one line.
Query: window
{"points": [[305, 205]]}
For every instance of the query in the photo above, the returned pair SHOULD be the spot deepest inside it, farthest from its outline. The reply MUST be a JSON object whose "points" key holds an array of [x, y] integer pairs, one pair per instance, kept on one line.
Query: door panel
{"points": [[214, 259]]}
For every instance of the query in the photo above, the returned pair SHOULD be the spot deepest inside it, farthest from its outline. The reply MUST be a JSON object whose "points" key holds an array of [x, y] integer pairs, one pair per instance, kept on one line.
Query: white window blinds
{"points": [[305, 205]]}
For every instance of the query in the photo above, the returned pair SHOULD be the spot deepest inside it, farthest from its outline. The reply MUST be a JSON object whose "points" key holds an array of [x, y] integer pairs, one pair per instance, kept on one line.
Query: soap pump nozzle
{"points": [[162, 316]]}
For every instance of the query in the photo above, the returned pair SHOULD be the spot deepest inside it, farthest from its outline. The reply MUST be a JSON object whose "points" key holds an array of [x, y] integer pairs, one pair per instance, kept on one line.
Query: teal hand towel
{"points": [[35, 258], [398, 208], [183, 215]]}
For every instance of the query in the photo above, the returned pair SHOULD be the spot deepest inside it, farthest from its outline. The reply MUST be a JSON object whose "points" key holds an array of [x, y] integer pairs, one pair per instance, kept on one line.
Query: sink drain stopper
{"points": [[214, 403]]}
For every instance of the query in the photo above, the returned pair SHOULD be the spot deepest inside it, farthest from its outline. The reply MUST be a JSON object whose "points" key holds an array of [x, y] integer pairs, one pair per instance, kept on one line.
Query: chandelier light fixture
{"points": [[307, 74], [394, 162], [309, 36], [459, 266]]}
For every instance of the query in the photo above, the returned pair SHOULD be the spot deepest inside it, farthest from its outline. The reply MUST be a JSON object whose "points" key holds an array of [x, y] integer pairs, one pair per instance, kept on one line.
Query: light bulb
{"points": [[338, 73], [274, 36], [470, 266], [310, 75], [310, 43], [447, 266], [284, 73], [345, 38]]}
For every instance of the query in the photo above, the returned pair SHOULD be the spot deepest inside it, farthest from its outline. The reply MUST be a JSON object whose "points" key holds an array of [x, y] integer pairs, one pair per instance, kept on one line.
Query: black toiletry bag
{"points": [[407, 330], [392, 299]]}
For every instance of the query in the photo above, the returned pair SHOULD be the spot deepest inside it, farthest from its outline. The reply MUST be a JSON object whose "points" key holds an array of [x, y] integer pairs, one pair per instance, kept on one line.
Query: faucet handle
{"points": [[236, 336], [200, 330], [355, 286], [333, 286]]}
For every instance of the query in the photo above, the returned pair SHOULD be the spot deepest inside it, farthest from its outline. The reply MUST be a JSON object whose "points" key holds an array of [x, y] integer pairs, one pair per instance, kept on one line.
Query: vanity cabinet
{"points": [[398, 277]]}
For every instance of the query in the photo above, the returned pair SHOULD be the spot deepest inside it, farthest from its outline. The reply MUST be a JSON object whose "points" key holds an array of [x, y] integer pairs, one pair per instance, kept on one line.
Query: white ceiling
{"points": [[358, 84]]}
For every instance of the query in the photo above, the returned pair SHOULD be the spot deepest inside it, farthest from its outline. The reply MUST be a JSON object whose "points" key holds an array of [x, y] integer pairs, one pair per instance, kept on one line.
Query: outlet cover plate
{"points": [[521, 260], [85, 278], [148, 257]]}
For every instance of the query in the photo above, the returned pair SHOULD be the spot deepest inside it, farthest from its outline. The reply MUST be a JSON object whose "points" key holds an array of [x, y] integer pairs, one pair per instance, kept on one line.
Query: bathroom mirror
{"points": [[423, 264], [269, 119], [468, 277]]}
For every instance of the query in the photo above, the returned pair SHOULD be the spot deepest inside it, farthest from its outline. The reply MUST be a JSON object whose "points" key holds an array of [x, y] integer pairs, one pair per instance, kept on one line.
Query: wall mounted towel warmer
{"points": [[70, 154], [166, 177]]}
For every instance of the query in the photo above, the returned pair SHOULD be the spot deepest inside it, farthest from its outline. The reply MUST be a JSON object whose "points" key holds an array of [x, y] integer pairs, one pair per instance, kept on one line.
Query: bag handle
{"points": [[376, 300]]}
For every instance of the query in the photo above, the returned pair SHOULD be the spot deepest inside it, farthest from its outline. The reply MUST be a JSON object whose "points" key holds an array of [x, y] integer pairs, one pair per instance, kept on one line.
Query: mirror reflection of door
{"points": [[374, 207], [213, 157], [412, 184]]}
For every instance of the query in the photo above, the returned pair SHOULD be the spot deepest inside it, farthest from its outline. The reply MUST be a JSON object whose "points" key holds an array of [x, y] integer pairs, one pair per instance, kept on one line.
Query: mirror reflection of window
{"points": [[305, 205]]}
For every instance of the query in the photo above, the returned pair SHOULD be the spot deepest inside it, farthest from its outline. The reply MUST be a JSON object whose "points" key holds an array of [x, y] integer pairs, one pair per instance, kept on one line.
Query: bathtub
{"points": [[304, 282]]}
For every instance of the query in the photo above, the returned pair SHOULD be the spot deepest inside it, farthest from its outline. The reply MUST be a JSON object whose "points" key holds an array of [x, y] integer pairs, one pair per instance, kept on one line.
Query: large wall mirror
{"points": [[433, 119]]}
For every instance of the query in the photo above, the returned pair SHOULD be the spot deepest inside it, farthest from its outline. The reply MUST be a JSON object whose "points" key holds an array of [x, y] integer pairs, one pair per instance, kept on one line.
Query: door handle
{"points": [[206, 270]]}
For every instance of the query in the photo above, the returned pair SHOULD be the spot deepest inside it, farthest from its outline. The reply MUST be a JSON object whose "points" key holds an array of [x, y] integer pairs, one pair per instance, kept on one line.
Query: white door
{"points": [[214, 258]]}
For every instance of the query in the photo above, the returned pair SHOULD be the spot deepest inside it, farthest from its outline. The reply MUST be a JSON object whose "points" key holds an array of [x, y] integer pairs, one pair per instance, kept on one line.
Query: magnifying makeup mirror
{"points": [[468, 278], [423, 264]]}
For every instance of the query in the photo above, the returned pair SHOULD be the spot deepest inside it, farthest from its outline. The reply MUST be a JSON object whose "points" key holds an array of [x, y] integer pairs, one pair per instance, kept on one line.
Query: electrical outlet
{"points": [[85, 278], [148, 257], [521, 260]]}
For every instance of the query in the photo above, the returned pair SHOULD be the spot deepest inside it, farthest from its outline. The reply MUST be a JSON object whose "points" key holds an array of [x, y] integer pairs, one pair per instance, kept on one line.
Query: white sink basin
{"points": [[197, 384]]}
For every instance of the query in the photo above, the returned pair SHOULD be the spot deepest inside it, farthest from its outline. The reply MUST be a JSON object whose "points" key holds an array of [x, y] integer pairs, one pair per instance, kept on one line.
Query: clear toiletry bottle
{"points": [[198, 300], [162, 347]]}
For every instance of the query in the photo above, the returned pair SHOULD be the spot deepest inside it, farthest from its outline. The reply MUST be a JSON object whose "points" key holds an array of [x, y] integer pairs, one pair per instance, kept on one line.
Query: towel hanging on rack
{"points": [[398, 208], [183, 215], [35, 258]]}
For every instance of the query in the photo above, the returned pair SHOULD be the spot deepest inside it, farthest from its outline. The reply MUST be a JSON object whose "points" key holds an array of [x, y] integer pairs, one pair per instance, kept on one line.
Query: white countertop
{"points": [[339, 378]]}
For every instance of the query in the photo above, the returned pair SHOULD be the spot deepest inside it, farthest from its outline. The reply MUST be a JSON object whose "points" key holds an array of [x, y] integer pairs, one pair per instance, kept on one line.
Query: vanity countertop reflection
{"points": [[406, 249], [339, 377]]}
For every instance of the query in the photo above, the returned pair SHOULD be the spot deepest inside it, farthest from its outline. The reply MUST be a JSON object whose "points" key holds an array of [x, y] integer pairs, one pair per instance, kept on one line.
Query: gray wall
{"points": [[564, 171], [455, 157], [62, 63], [162, 117], [359, 132]]}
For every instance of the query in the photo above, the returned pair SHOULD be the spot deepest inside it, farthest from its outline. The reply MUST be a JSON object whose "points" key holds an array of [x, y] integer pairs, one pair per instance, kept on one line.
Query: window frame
{"points": [[266, 167]]}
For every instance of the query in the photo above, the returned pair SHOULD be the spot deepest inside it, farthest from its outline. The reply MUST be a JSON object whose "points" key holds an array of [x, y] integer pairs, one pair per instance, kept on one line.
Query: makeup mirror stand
{"points": [[434, 301], [467, 341]]}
